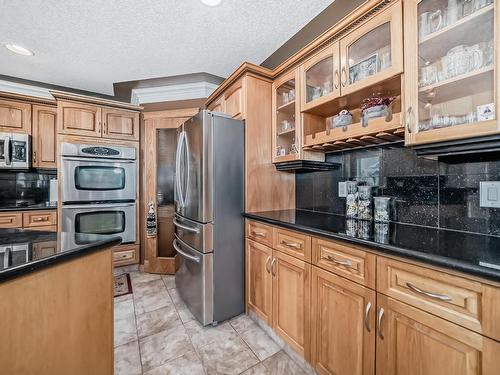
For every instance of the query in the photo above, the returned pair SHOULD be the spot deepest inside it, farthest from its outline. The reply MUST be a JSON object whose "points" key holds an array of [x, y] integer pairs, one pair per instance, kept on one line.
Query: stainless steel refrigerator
{"points": [[209, 226]]}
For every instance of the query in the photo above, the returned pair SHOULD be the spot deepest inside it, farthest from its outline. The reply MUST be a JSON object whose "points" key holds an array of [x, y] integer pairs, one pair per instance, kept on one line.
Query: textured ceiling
{"points": [[90, 44]]}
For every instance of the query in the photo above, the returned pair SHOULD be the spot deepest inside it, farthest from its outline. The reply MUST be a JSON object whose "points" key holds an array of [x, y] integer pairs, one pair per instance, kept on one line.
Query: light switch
{"points": [[489, 192]]}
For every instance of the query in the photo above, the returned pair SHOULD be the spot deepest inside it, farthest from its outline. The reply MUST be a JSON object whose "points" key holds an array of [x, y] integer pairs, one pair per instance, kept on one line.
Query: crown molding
{"points": [[29, 92], [185, 91]]}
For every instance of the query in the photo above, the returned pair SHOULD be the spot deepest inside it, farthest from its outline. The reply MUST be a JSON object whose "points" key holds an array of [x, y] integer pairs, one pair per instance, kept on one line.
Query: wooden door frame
{"points": [[150, 123]]}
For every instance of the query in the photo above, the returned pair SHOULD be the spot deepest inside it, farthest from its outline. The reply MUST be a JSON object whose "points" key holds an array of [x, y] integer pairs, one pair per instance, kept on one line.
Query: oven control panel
{"points": [[100, 151]]}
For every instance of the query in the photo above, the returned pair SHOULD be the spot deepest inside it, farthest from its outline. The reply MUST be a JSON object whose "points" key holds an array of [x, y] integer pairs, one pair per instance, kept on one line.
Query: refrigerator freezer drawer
{"points": [[194, 281], [197, 235]]}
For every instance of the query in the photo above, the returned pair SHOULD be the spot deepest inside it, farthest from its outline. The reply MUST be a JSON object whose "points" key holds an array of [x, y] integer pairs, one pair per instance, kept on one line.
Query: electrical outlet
{"points": [[489, 193], [342, 189]]}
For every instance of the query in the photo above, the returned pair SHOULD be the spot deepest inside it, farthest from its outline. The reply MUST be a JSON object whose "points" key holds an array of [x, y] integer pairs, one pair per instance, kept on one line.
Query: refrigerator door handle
{"points": [[189, 229], [188, 170], [178, 169], [185, 255], [7, 151]]}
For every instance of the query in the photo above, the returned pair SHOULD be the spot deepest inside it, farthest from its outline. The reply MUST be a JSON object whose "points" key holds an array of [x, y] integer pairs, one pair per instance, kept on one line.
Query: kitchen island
{"points": [[57, 303]]}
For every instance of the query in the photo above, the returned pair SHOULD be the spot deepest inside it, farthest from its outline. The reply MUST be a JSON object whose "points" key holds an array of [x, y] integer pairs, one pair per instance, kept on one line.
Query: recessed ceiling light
{"points": [[211, 3], [20, 50]]}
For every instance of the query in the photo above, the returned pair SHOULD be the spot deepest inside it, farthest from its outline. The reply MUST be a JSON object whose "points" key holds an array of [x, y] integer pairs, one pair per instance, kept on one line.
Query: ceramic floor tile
{"points": [[281, 364], [160, 348], [184, 312], [260, 343], [141, 277], [149, 286], [125, 297], [242, 323], [125, 331], [169, 281], [201, 336], [124, 309], [158, 320], [127, 359], [228, 356], [258, 369], [151, 298], [188, 364]]}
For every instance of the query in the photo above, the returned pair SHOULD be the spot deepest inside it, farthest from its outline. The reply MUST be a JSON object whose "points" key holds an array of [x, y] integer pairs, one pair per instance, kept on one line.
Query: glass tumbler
{"points": [[382, 209], [352, 199], [365, 202]]}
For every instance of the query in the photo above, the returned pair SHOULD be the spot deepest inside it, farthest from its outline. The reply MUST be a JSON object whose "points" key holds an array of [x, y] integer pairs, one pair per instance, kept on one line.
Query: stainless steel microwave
{"points": [[15, 151], [96, 173]]}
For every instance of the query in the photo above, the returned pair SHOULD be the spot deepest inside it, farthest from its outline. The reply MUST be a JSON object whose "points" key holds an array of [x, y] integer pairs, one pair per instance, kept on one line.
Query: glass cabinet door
{"points": [[286, 122], [451, 79], [321, 77], [374, 51]]}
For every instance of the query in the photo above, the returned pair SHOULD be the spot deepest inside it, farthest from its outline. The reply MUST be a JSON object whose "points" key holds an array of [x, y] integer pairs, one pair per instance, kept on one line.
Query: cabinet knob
{"points": [[408, 119]]}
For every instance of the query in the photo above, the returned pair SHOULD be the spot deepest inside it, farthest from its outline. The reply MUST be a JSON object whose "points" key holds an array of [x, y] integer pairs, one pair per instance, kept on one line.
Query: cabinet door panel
{"points": [[259, 279], [374, 51], [120, 124], [44, 137], [343, 322], [15, 116], [233, 101], [415, 343], [79, 119], [291, 301], [452, 88]]}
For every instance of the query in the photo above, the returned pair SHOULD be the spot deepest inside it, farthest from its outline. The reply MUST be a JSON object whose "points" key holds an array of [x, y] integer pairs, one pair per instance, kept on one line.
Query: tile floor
{"points": [[155, 334]]}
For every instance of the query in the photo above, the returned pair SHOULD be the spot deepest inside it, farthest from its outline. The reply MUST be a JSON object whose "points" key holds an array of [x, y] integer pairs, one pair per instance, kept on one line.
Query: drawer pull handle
{"points": [[367, 314], [267, 264], [441, 297], [380, 315], [258, 234], [272, 269], [7, 220], [40, 219], [293, 245], [346, 263]]}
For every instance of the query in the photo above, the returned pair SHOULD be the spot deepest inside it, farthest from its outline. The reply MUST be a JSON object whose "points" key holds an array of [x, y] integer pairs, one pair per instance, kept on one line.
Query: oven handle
{"points": [[102, 161], [98, 206], [185, 255], [7, 151]]}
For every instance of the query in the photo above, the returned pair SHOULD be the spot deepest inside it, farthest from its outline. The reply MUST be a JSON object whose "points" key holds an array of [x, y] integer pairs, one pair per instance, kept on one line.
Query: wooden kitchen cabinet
{"points": [[15, 116], [343, 325], [452, 88], [291, 301], [11, 220], [217, 105], [233, 101], [413, 342], [44, 137], [373, 52], [79, 119], [39, 218], [120, 124], [259, 281]]}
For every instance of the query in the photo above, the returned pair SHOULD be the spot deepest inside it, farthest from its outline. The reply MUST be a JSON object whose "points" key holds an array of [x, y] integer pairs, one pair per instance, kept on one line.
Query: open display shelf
{"points": [[318, 137]]}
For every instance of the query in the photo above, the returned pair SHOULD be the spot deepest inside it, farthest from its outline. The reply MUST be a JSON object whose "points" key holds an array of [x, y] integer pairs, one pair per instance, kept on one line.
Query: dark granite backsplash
{"points": [[20, 188], [443, 194]]}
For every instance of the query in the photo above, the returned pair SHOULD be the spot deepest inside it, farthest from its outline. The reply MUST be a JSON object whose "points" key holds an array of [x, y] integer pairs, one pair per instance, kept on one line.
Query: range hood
{"points": [[478, 145]]}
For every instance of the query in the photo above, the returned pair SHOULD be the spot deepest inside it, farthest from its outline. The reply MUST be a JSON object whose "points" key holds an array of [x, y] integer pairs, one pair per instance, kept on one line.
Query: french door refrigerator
{"points": [[209, 226]]}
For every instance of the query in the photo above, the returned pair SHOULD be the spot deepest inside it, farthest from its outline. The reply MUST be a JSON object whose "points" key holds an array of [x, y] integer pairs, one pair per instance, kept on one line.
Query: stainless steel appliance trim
{"points": [[183, 254], [97, 160], [199, 235], [7, 150], [103, 205], [76, 149]]}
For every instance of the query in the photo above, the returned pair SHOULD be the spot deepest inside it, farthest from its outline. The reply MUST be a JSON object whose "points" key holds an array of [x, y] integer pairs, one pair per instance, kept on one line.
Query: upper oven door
{"points": [[98, 180]]}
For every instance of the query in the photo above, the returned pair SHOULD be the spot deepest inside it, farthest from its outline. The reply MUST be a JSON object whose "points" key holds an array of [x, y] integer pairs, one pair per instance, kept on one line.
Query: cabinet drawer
{"points": [[259, 232], [465, 302], [11, 220], [124, 255], [295, 244], [39, 218], [48, 228], [345, 260]]}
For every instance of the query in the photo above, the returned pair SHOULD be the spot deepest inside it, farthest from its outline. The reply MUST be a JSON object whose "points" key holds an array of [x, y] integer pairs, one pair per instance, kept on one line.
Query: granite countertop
{"points": [[37, 207], [25, 251], [470, 253]]}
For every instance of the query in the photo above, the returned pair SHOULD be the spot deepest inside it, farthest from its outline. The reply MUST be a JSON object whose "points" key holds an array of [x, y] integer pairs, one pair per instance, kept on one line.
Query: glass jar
{"points": [[352, 199], [382, 209], [365, 202]]}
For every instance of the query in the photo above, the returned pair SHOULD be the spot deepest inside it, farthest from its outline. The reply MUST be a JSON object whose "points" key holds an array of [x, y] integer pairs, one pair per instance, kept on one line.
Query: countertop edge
{"points": [[436, 260], [43, 263], [21, 209]]}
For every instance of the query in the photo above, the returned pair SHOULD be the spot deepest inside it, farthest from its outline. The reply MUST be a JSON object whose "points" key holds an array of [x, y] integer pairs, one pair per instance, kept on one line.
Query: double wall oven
{"points": [[99, 185]]}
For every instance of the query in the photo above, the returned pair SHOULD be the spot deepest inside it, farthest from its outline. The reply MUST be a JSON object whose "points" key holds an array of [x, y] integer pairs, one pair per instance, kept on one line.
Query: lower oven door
{"points": [[97, 180], [194, 281], [116, 219]]}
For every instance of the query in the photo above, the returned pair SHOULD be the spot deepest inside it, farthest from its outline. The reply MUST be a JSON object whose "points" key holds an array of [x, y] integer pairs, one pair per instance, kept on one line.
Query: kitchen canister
{"points": [[365, 202], [382, 211], [352, 199]]}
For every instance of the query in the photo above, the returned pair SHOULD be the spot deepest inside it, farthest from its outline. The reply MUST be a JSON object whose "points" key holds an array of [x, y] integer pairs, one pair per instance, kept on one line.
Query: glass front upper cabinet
{"points": [[286, 120], [451, 81], [372, 52], [321, 77]]}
